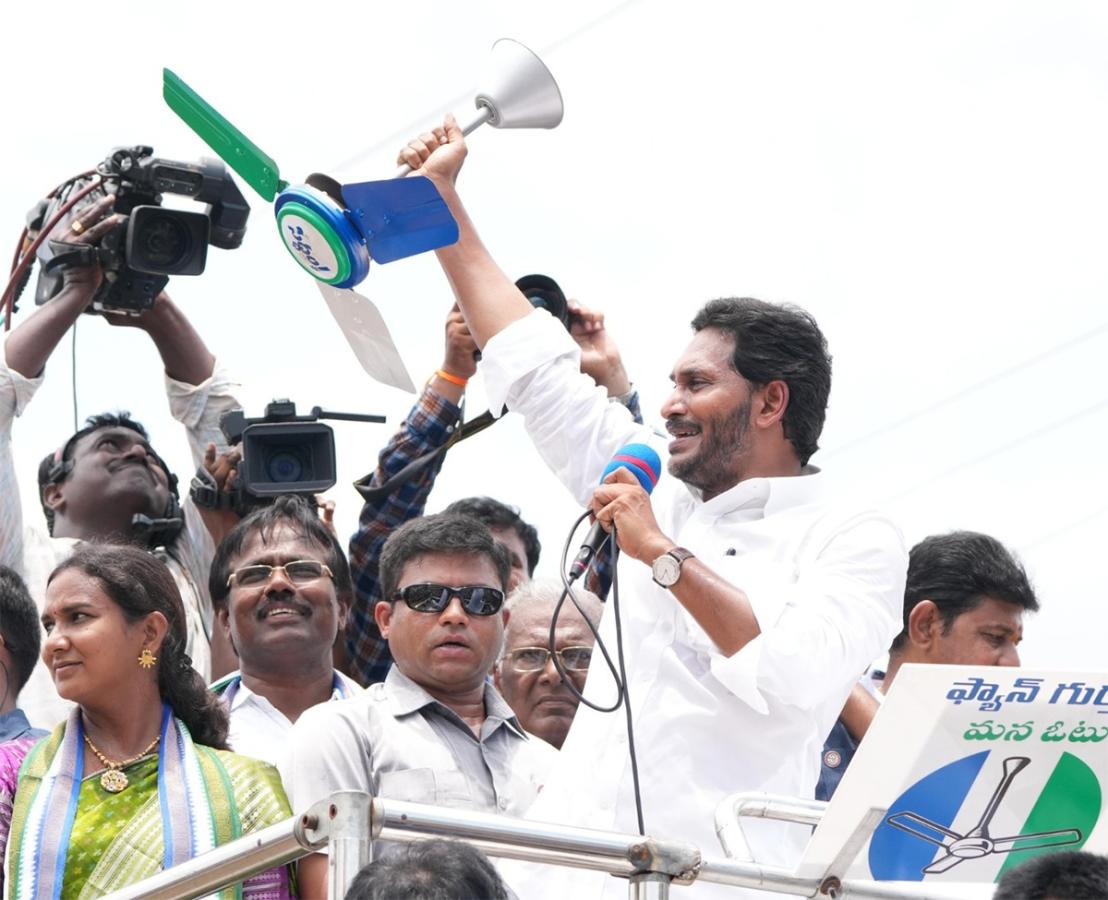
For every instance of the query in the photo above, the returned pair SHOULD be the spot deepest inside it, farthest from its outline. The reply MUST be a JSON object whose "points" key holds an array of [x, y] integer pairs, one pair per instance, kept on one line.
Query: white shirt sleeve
{"points": [[16, 392], [840, 614], [199, 408], [533, 367]]}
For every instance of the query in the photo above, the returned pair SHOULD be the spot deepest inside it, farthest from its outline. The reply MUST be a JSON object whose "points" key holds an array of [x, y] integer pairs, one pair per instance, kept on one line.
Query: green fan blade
{"points": [[237, 150]]}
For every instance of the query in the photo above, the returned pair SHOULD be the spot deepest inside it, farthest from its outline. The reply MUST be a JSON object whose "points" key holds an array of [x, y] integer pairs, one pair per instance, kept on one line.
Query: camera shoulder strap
{"points": [[376, 494]]}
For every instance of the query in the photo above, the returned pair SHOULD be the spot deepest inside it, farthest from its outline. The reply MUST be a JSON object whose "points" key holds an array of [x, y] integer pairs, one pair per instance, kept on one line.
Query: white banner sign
{"points": [[979, 769]]}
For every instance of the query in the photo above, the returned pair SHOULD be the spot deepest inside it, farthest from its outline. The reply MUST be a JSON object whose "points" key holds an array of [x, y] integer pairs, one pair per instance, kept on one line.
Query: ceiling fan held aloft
{"points": [[333, 230]]}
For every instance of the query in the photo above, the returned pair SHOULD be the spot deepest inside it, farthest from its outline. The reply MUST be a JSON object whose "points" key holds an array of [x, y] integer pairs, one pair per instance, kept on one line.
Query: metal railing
{"points": [[348, 822]]}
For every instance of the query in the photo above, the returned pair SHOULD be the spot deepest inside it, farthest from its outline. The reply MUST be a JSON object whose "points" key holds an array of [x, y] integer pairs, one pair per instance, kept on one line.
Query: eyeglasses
{"points": [[534, 659], [477, 600], [301, 571]]}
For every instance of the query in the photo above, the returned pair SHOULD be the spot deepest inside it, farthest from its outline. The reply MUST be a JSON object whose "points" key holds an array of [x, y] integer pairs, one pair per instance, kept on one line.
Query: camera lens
{"points": [[284, 466], [164, 243]]}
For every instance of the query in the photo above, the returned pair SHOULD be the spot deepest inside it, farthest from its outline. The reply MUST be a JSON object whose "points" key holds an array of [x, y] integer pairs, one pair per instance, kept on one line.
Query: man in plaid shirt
{"points": [[429, 427]]}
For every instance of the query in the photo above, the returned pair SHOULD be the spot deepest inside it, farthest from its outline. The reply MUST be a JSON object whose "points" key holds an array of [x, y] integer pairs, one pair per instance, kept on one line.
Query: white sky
{"points": [[927, 178]]}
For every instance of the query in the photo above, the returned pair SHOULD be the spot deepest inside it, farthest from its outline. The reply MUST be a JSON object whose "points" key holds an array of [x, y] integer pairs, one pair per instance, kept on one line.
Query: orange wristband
{"points": [[453, 379]]}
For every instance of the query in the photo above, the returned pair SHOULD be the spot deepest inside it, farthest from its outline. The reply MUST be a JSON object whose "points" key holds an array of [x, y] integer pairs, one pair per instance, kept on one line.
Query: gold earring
{"points": [[147, 659]]}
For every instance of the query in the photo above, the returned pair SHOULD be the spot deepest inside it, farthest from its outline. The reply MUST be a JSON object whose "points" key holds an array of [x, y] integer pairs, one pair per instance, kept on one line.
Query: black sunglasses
{"points": [[434, 598]]}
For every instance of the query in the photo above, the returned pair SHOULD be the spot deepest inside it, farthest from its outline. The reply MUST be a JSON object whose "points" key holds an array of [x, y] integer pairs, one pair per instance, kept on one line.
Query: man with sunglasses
{"points": [[281, 589], [527, 675], [435, 730]]}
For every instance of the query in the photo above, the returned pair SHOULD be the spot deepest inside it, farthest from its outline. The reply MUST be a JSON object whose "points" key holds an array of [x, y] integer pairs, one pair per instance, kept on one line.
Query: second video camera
{"points": [[282, 453]]}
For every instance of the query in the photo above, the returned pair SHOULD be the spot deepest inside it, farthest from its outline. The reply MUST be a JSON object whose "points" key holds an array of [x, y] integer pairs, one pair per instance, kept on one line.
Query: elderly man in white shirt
{"points": [[741, 648], [106, 483], [281, 588]]}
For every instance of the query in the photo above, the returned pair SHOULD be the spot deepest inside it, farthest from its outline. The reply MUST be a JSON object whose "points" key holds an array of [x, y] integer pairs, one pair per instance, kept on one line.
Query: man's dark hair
{"points": [[300, 516], [957, 571], [55, 467], [428, 870], [1062, 875], [497, 515], [20, 629], [434, 535], [778, 342]]}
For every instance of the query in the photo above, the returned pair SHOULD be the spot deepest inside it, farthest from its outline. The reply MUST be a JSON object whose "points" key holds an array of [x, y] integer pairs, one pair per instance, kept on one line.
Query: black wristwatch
{"points": [[667, 567]]}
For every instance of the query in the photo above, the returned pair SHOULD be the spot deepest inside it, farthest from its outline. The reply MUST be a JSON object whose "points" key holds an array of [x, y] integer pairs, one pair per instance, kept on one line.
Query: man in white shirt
{"points": [[281, 588], [105, 483], [741, 652]]}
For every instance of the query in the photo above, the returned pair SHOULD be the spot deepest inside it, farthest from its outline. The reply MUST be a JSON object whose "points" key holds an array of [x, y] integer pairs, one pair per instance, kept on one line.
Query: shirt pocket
{"points": [[441, 787]]}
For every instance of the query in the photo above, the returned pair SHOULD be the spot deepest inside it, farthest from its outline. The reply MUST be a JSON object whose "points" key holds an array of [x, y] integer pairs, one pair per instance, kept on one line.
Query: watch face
{"points": [[666, 570]]}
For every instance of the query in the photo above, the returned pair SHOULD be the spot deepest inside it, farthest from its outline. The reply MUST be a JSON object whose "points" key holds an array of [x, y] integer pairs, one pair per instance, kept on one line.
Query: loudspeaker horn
{"points": [[518, 89]]}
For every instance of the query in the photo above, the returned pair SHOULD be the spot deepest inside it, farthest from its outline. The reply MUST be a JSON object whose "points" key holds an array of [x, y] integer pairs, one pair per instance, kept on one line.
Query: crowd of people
{"points": [[175, 677]]}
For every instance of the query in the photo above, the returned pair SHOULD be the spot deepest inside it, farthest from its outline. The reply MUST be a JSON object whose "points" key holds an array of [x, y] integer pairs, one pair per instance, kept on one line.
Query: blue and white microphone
{"points": [[642, 462]]}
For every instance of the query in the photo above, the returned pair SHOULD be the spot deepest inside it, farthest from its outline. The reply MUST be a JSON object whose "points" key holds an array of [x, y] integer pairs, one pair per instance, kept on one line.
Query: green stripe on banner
{"points": [[1070, 799]]}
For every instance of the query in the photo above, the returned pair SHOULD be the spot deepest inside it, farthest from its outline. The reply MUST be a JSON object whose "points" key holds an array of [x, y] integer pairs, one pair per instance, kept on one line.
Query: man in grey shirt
{"points": [[435, 731]]}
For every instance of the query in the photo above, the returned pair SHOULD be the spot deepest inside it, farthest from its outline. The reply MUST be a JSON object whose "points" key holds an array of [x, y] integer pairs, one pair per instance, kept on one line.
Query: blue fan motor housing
{"points": [[319, 235]]}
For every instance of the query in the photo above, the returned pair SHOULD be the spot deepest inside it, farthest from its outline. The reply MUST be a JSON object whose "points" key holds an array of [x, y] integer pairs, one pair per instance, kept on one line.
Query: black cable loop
{"points": [[618, 676]]}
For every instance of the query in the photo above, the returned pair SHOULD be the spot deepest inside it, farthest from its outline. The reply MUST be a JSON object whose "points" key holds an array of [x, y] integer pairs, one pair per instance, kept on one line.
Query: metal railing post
{"points": [[649, 886], [350, 846]]}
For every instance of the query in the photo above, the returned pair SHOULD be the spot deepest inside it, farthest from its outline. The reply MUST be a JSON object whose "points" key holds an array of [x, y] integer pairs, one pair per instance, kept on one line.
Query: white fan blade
{"points": [[368, 336], [942, 864]]}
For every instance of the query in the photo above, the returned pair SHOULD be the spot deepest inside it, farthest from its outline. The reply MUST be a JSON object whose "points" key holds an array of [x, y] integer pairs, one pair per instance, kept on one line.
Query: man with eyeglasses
{"points": [[527, 675], [435, 730], [281, 588]]}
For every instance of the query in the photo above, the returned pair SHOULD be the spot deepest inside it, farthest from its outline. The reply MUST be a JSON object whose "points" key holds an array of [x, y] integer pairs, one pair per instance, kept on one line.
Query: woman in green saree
{"points": [[138, 778]]}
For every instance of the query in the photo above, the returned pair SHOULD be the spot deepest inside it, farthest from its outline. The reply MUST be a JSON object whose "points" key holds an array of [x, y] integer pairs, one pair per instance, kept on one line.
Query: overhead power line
{"points": [[1063, 347], [1032, 435], [421, 123]]}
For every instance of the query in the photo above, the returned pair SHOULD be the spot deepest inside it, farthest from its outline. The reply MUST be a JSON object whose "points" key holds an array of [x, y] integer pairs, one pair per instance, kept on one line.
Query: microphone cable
{"points": [[617, 669]]}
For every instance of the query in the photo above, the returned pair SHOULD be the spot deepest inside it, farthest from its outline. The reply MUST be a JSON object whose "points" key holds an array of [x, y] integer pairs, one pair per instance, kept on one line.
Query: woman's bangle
{"points": [[453, 379]]}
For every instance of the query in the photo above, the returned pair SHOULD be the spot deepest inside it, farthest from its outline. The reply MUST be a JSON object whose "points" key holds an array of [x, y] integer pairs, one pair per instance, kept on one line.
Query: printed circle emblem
{"points": [[946, 819], [309, 246]]}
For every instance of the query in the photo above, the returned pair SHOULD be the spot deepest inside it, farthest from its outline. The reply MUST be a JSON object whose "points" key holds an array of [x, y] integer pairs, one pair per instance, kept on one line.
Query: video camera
{"points": [[155, 243], [282, 453]]}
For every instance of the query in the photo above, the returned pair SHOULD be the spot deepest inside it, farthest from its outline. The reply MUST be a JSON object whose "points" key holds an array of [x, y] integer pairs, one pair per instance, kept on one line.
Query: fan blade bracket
{"points": [[400, 217]]}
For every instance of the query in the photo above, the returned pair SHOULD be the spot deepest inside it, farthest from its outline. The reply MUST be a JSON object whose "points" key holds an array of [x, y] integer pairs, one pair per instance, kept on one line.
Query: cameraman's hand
{"points": [[600, 358], [326, 510], [437, 154], [87, 227], [222, 467], [30, 344], [146, 320]]}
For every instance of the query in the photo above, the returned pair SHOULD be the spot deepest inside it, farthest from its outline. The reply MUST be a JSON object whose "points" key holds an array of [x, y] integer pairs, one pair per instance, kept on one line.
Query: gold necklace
{"points": [[113, 779]]}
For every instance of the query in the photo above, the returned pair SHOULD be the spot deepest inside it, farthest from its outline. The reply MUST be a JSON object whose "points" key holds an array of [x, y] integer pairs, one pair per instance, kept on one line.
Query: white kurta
{"points": [[826, 584]]}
